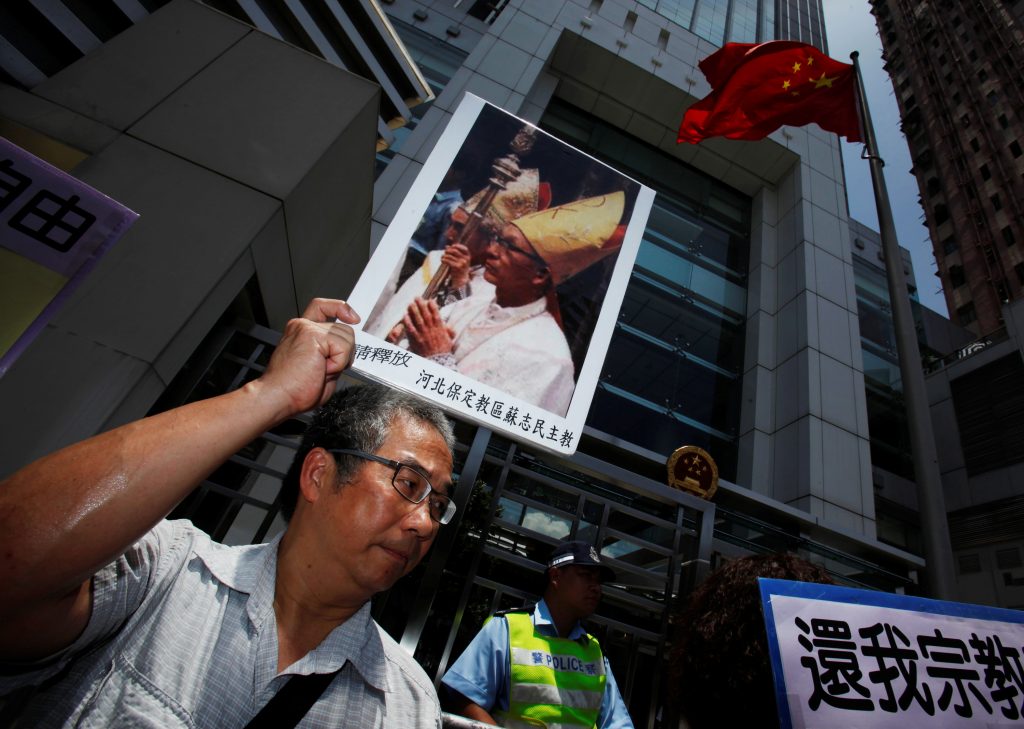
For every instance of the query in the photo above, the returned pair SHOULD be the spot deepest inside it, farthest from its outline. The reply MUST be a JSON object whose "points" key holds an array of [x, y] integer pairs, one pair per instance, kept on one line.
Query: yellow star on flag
{"points": [[820, 82], [785, 85], [810, 60], [796, 67]]}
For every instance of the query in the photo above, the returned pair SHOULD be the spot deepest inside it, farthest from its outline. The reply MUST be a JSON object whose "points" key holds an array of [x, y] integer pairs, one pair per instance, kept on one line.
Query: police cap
{"points": [[582, 554]]}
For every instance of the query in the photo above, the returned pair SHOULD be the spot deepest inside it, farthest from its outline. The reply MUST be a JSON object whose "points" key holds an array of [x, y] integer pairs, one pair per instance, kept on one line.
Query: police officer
{"points": [[538, 667]]}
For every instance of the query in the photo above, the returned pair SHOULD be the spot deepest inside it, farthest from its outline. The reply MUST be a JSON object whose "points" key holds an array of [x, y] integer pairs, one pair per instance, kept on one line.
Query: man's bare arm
{"points": [[68, 514]]}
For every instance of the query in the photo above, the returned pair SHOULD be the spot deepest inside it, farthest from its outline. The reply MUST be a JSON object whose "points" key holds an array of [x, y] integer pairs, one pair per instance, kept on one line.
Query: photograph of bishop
{"points": [[511, 336], [463, 253]]}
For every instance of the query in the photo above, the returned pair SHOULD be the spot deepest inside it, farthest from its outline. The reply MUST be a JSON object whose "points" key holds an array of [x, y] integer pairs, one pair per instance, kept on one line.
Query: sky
{"points": [[851, 27]]}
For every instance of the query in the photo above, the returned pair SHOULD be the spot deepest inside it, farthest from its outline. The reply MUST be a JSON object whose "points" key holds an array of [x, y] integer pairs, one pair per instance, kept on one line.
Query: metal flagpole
{"points": [[931, 501]]}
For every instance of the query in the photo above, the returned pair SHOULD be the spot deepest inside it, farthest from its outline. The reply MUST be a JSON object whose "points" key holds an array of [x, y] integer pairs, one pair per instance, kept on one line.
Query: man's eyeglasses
{"points": [[510, 246], [411, 484]]}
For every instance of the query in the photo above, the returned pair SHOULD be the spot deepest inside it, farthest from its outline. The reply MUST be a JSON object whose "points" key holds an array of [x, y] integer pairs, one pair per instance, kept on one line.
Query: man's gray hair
{"points": [[358, 418]]}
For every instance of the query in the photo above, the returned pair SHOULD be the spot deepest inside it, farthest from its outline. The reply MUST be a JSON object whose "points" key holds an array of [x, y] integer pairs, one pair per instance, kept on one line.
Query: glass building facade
{"points": [[887, 416], [720, 21], [802, 20], [897, 522], [746, 21], [887, 419]]}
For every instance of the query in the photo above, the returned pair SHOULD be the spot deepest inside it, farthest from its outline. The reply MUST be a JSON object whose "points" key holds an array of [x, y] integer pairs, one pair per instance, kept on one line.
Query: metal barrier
{"points": [[979, 345], [454, 721]]}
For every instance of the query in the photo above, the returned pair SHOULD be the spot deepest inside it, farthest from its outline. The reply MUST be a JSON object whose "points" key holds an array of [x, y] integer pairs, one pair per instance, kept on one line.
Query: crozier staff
{"points": [[504, 171]]}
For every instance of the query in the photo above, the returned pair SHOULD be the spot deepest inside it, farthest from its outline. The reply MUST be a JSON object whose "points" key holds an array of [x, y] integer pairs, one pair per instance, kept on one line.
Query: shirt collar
{"points": [[501, 313], [358, 641], [253, 571]]}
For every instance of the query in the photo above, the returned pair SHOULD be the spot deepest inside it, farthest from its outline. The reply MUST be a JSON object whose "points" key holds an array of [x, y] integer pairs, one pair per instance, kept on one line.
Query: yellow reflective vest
{"points": [[554, 682]]}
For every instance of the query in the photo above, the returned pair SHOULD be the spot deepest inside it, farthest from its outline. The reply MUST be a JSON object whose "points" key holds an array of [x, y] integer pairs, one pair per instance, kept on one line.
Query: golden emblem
{"points": [[692, 469]]}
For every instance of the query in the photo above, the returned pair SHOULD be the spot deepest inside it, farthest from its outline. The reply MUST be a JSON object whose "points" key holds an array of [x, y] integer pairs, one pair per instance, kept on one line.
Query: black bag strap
{"points": [[287, 707]]}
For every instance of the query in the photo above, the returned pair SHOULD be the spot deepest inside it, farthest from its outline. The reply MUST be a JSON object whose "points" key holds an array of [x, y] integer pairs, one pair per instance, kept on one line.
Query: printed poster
{"points": [[843, 657], [495, 290]]}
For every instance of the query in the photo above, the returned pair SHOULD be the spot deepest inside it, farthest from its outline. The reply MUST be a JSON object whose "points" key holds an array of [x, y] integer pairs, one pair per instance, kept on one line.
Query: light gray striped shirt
{"points": [[183, 634]]}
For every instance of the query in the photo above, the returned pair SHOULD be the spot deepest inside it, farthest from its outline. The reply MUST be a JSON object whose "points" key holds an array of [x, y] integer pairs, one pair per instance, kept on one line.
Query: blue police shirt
{"points": [[482, 672]]}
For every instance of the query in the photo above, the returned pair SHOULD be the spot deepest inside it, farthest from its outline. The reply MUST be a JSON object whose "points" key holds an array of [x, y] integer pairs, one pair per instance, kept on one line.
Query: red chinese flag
{"points": [[756, 88]]}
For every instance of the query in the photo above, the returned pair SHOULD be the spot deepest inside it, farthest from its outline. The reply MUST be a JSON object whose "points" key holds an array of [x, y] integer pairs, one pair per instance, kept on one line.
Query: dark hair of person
{"points": [[719, 666], [358, 418]]}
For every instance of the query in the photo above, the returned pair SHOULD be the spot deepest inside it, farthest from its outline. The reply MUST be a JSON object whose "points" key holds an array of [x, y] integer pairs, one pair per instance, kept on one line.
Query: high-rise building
{"points": [[976, 395], [977, 400], [956, 69]]}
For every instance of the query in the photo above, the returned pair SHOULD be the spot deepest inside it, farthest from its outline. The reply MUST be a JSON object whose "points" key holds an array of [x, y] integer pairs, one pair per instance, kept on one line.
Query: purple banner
{"points": [[56, 221]]}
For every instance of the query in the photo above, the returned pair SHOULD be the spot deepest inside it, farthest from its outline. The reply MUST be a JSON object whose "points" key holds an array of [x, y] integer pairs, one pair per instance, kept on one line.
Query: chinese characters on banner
{"points": [[459, 397], [494, 291], [53, 230], [858, 658]]}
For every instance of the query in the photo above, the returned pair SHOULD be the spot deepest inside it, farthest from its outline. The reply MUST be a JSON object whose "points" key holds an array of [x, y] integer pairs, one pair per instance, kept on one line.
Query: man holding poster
{"points": [[113, 616], [514, 340]]}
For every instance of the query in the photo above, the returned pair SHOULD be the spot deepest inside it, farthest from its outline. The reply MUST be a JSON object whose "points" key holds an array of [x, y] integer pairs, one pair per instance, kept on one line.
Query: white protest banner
{"points": [[843, 657], [53, 230], [513, 251]]}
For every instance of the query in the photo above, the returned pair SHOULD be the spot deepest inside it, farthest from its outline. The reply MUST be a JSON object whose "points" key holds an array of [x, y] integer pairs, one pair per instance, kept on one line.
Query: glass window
{"points": [[969, 564], [1008, 559], [888, 430], [486, 10], [438, 61], [743, 28], [678, 11], [887, 420], [966, 314], [738, 21], [710, 20], [989, 407]]}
